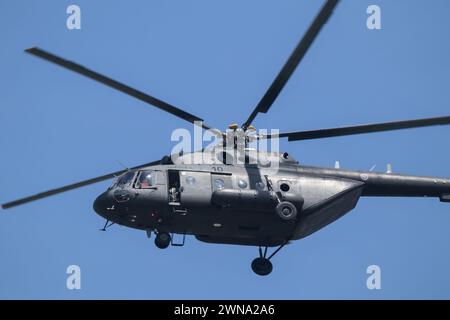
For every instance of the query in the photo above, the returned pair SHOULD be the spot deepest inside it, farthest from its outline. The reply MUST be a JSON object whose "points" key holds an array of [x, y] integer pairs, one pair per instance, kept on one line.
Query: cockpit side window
{"points": [[146, 179]]}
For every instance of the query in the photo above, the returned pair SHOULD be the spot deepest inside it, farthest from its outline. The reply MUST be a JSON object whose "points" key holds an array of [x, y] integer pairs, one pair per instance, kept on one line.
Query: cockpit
{"points": [[146, 179]]}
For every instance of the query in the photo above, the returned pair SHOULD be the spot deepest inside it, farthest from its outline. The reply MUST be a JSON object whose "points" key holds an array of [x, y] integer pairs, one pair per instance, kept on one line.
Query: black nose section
{"points": [[102, 202]]}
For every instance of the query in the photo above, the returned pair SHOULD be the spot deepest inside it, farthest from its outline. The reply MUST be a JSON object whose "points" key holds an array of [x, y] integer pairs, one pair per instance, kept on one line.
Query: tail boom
{"points": [[391, 185]]}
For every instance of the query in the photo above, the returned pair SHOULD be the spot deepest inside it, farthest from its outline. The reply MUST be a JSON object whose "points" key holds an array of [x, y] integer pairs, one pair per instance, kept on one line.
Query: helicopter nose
{"points": [[101, 204]]}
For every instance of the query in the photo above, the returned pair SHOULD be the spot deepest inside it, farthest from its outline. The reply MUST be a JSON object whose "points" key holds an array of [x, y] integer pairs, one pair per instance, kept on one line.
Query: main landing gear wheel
{"points": [[262, 266], [162, 240]]}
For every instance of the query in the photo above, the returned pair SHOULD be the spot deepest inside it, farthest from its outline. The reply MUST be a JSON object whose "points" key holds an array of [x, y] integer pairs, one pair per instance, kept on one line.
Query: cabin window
{"points": [[146, 179], [242, 184], [219, 184], [260, 186]]}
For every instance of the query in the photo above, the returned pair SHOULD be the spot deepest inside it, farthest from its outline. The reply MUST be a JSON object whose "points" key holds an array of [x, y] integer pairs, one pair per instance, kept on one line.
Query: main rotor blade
{"points": [[72, 186], [116, 85], [359, 129], [297, 55]]}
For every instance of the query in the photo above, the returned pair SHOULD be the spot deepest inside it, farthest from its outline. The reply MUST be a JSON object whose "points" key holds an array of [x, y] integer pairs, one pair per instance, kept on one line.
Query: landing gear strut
{"points": [[262, 265], [162, 240], [107, 225]]}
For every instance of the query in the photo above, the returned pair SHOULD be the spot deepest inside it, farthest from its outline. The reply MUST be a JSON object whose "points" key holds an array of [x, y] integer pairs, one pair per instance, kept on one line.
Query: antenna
{"points": [[389, 168], [122, 165]]}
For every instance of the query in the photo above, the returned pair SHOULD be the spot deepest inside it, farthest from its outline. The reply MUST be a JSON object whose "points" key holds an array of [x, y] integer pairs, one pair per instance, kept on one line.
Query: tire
{"points": [[162, 240], [262, 266], [286, 211]]}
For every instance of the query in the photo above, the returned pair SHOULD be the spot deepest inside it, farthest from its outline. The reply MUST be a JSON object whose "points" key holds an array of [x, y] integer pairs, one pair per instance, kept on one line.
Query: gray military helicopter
{"points": [[233, 196]]}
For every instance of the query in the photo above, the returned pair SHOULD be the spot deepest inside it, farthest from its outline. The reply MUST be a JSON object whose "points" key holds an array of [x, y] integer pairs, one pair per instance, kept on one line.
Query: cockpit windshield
{"points": [[124, 180], [146, 179]]}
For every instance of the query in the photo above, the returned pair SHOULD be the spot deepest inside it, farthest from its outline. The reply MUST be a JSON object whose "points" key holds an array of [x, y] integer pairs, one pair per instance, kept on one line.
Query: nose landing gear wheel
{"points": [[262, 266], [163, 240]]}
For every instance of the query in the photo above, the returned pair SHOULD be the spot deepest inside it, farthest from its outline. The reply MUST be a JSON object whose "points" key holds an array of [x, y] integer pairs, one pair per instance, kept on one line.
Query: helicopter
{"points": [[230, 193]]}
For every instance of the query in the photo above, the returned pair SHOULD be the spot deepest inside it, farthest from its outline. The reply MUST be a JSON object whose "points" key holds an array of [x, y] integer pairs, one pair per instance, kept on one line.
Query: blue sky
{"points": [[216, 59]]}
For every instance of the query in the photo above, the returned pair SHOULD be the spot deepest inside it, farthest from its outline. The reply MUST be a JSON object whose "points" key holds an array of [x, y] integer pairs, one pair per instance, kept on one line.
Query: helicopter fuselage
{"points": [[236, 204]]}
